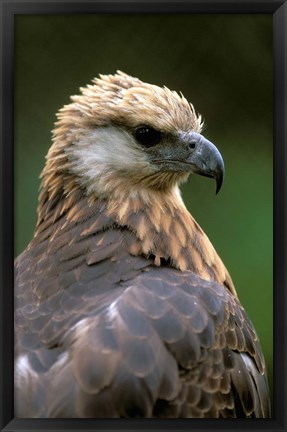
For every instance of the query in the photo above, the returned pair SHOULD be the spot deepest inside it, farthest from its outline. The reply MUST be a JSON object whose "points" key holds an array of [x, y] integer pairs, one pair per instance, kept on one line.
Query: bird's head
{"points": [[123, 134]]}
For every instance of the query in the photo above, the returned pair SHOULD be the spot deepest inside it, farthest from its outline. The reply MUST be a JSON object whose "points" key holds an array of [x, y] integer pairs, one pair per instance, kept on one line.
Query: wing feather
{"points": [[107, 334]]}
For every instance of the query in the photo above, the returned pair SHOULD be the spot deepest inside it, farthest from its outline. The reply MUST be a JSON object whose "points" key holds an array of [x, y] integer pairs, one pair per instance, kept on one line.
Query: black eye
{"points": [[147, 136]]}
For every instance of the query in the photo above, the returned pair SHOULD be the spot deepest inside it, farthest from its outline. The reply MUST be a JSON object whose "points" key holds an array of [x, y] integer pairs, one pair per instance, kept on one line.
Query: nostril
{"points": [[192, 144]]}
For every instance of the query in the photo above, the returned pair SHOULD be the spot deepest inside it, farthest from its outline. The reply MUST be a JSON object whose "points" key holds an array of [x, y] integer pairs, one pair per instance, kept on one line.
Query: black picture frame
{"points": [[9, 9]]}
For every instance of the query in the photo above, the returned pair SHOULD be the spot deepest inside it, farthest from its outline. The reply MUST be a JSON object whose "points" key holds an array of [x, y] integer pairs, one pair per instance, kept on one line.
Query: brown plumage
{"points": [[123, 307]]}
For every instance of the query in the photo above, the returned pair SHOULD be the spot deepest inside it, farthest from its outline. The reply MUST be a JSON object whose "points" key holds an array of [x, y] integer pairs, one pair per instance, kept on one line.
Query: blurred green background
{"points": [[222, 64]]}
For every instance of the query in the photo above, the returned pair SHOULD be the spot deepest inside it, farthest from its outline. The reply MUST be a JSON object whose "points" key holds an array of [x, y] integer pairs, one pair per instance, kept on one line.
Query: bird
{"points": [[123, 308]]}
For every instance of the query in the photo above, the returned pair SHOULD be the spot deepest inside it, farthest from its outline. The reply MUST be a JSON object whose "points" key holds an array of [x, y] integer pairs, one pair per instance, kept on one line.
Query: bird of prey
{"points": [[123, 308]]}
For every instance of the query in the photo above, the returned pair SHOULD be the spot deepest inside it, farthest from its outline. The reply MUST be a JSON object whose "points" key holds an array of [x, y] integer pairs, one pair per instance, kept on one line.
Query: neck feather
{"points": [[168, 232], [161, 226]]}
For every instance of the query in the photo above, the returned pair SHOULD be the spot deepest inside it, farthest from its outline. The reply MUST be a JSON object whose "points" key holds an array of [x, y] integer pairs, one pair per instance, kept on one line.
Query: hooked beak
{"points": [[204, 157]]}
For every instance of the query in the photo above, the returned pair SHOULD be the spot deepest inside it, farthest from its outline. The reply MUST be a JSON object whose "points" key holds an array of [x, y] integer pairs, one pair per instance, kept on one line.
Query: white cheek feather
{"points": [[104, 151]]}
